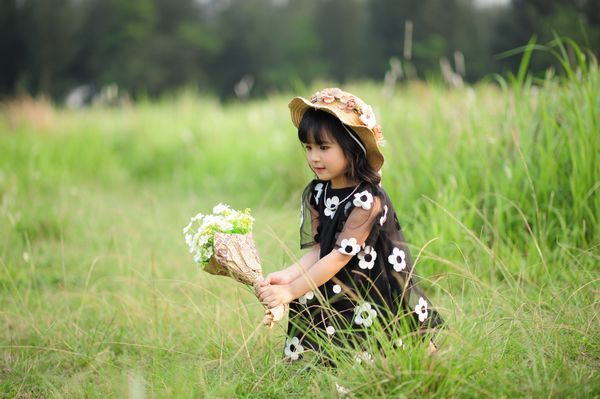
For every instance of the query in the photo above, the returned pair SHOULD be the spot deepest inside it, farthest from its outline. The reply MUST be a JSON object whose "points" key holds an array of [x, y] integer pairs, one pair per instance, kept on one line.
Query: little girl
{"points": [[358, 272]]}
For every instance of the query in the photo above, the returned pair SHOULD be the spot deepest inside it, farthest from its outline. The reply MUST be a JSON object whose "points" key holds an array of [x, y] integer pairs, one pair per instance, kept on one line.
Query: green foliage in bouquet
{"points": [[200, 232]]}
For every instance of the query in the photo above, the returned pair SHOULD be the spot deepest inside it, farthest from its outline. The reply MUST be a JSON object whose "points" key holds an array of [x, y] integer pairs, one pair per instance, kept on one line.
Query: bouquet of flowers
{"points": [[222, 245]]}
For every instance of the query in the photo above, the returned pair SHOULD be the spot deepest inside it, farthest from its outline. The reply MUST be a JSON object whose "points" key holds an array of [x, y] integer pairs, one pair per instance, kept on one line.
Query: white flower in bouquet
{"points": [[199, 233], [222, 244]]}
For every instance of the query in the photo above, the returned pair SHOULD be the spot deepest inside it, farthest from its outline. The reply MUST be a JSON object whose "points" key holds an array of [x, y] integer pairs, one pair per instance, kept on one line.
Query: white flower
{"points": [[364, 357], [221, 209], [330, 330], [368, 117], [210, 220], [349, 247], [202, 240], [363, 200], [367, 258], [364, 315], [319, 190], [384, 217], [336, 289], [293, 349], [194, 241], [398, 259], [306, 297], [200, 232], [421, 309], [225, 225], [198, 216], [400, 344], [331, 205], [343, 391]]}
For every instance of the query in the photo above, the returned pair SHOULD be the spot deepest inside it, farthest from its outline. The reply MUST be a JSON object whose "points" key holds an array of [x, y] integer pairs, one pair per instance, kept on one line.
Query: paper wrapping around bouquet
{"points": [[235, 255]]}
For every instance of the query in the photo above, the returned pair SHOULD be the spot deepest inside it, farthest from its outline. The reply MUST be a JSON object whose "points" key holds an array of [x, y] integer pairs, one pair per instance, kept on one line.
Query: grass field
{"points": [[497, 187]]}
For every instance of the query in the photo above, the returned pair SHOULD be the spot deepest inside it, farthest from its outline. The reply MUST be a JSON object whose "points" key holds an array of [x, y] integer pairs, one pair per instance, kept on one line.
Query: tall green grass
{"points": [[496, 186]]}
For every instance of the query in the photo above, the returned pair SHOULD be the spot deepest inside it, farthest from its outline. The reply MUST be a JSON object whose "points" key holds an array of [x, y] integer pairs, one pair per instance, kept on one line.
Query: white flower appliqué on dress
{"points": [[366, 258], [349, 246], [363, 200], [330, 330], [306, 297], [293, 349], [421, 309], [398, 259], [364, 314], [384, 217], [331, 205], [319, 190], [336, 289]]}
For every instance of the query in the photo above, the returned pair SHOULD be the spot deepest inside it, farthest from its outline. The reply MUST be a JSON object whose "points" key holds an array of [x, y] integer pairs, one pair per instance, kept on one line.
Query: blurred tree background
{"points": [[229, 47]]}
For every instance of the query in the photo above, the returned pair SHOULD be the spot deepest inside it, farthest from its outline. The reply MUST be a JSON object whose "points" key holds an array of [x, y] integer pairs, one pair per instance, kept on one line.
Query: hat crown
{"points": [[355, 110]]}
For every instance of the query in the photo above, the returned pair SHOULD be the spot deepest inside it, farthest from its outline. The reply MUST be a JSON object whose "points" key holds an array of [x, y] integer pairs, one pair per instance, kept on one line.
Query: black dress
{"points": [[375, 287]]}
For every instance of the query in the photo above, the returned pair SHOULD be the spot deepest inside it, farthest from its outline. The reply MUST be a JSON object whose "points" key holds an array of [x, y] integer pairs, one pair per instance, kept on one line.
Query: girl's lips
{"points": [[319, 169]]}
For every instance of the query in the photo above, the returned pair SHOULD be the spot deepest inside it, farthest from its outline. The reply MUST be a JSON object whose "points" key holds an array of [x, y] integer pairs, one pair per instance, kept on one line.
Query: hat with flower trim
{"points": [[352, 112]]}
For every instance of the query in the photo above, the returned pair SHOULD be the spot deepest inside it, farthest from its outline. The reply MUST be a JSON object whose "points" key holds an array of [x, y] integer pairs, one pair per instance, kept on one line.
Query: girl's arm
{"points": [[315, 276], [319, 273], [292, 272]]}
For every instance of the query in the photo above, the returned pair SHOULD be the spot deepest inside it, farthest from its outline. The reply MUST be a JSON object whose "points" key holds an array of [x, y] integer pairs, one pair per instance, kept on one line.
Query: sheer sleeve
{"points": [[309, 216], [360, 228]]}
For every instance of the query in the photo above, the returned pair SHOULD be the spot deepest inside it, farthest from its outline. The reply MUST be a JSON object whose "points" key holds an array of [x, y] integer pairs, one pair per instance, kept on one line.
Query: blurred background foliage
{"points": [[152, 47]]}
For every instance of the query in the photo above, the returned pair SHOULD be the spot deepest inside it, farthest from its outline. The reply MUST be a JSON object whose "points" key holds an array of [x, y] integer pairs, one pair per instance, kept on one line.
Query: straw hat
{"points": [[351, 111]]}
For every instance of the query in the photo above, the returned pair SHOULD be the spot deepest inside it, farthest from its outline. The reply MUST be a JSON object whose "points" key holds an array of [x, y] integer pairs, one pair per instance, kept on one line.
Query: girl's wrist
{"points": [[294, 290], [295, 271], [291, 275], [288, 276]]}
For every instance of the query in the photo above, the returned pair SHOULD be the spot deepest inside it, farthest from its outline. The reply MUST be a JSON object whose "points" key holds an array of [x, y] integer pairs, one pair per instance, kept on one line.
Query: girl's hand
{"points": [[280, 277], [273, 295]]}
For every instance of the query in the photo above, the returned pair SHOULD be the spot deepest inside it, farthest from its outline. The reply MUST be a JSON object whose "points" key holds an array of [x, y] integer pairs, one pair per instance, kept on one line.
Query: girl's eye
{"points": [[324, 147], [307, 147]]}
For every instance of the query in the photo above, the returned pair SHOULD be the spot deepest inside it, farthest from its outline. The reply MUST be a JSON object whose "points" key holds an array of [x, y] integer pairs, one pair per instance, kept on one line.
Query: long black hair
{"points": [[316, 126]]}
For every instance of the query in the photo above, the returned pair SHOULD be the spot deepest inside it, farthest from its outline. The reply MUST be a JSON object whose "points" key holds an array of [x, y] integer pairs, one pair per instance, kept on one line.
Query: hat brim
{"points": [[299, 105]]}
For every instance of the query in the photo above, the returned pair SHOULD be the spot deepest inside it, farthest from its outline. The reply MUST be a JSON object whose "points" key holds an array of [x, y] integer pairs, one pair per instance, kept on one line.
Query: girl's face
{"points": [[328, 161]]}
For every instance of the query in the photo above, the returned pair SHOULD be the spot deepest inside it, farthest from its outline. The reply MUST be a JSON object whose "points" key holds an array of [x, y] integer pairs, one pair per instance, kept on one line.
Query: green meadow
{"points": [[497, 187]]}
